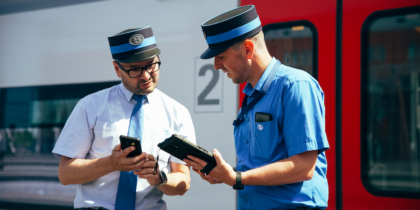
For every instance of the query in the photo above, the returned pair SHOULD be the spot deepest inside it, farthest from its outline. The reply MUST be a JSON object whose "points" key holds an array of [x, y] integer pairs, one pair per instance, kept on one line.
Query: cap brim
{"points": [[210, 53], [140, 56]]}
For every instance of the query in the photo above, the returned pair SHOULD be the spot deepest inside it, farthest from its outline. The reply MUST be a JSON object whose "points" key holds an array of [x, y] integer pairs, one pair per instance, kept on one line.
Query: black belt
{"points": [[90, 208]]}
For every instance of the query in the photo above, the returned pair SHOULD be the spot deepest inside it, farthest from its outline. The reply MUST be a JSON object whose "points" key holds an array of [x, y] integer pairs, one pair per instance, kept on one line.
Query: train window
{"points": [[294, 44], [31, 119], [390, 136]]}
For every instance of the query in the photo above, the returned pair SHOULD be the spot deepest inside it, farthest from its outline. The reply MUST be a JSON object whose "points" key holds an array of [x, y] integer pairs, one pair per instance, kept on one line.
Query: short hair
{"points": [[254, 38]]}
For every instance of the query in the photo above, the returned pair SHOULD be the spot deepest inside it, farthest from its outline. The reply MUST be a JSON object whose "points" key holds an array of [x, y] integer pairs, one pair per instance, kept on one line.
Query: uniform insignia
{"points": [[260, 127], [136, 39]]}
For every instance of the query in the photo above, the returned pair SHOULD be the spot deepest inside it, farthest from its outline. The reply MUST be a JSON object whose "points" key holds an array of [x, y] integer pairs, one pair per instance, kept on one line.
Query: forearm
{"points": [[81, 171], [178, 184], [295, 169]]}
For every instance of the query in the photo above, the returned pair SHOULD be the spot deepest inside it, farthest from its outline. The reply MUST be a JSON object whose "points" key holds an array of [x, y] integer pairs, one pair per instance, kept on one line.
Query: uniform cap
{"points": [[133, 45], [226, 29]]}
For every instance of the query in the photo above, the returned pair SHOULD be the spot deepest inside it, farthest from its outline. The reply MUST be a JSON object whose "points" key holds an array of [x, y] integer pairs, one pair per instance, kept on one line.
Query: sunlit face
{"points": [[234, 64], [142, 85]]}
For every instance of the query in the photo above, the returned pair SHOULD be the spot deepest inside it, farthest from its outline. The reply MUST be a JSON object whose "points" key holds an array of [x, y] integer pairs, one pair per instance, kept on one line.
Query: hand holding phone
{"points": [[127, 141]]}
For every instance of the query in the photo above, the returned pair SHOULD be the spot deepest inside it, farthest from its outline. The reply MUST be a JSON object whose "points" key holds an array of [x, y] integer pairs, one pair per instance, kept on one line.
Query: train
{"points": [[365, 55]]}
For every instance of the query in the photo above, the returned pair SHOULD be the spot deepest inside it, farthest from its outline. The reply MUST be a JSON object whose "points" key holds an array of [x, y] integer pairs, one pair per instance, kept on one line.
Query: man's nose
{"points": [[145, 75], [217, 64]]}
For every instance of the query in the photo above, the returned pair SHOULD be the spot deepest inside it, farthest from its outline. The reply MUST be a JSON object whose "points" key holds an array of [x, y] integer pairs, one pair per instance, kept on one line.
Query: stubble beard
{"points": [[244, 70], [138, 90], [243, 76], [238, 80]]}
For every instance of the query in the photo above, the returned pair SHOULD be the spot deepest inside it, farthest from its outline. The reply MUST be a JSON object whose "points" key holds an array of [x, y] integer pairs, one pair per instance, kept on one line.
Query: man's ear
{"points": [[117, 69], [249, 48]]}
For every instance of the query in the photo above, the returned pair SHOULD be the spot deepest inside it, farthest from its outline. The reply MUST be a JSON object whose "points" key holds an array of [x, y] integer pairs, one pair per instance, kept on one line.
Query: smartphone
{"points": [[181, 147], [127, 141]]}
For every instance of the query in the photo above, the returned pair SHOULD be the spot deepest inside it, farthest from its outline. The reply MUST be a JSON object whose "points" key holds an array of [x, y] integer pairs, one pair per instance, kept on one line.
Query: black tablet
{"points": [[180, 147]]}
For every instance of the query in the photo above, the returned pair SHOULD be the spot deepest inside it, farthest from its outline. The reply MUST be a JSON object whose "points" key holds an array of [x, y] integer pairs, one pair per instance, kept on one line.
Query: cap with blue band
{"points": [[133, 45], [226, 29]]}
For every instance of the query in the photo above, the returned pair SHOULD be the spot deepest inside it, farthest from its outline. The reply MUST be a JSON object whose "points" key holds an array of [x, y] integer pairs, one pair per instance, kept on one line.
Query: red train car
{"points": [[366, 56]]}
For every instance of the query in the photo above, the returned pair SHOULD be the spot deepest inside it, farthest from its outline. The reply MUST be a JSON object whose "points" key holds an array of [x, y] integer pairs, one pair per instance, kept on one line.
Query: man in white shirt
{"points": [[89, 144]]}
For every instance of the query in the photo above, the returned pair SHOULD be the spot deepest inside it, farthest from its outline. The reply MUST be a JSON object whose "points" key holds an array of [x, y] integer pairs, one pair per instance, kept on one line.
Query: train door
{"points": [[380, 104], [301, 34]]}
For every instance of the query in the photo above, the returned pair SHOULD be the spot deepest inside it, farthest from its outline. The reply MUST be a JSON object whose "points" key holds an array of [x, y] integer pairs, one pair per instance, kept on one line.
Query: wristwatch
{"points": [[238, 185], [163, 178]]}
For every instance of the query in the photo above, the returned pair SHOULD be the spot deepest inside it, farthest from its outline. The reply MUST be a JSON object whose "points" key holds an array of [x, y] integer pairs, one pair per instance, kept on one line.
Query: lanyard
{"points": [[260, 94]]}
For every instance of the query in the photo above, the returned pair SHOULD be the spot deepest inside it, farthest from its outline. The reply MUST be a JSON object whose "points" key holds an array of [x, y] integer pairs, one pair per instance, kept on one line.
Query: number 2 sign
{"points": [[208, 94]]}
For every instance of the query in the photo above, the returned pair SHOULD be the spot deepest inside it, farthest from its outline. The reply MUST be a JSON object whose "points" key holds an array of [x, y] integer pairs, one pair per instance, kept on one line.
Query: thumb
{"points": [[118, 147], [127, 151], [217, 156]]}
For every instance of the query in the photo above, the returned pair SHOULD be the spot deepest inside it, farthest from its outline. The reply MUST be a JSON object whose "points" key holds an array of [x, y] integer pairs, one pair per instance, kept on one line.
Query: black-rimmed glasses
{"points": [[136, 72]]}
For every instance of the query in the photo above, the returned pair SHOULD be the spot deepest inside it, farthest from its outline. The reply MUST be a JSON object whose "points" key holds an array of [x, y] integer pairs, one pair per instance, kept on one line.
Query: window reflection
{"points": [[391, 122], [293, 44], [31, 119]]}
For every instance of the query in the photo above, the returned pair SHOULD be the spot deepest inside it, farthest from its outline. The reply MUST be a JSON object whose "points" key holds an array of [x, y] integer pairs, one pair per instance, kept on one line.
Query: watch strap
{"points": [[163, 178], [238, 185]]}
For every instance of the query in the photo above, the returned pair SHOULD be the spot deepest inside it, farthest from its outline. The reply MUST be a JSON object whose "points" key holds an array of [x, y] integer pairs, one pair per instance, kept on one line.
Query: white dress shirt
{"points": [[93, 130]]}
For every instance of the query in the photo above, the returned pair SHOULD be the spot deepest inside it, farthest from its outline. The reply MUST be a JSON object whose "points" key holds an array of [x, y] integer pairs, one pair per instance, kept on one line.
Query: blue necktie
{"points": [[126, 194]]}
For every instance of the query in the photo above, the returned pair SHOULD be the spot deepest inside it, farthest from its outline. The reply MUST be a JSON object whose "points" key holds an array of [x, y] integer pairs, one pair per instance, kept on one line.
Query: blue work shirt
{"points": [[296, 102]]}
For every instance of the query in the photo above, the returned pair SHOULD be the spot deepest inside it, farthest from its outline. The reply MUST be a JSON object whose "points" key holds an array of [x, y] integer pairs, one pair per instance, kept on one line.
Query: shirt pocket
{"points": [[106, 137], [263, 143]]}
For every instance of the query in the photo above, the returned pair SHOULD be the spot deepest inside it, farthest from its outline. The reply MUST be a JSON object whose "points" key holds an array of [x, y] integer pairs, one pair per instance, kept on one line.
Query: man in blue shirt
{"points": [[279, 134]]}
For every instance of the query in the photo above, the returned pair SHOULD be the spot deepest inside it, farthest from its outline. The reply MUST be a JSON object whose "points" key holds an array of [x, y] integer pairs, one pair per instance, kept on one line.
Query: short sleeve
{"points": [[304, 118], [75, 139], [186, 130]]}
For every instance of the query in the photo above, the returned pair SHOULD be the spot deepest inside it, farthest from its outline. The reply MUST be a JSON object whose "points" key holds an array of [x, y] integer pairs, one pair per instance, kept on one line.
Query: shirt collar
{"points": [[249, 90], [128, 95]]}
